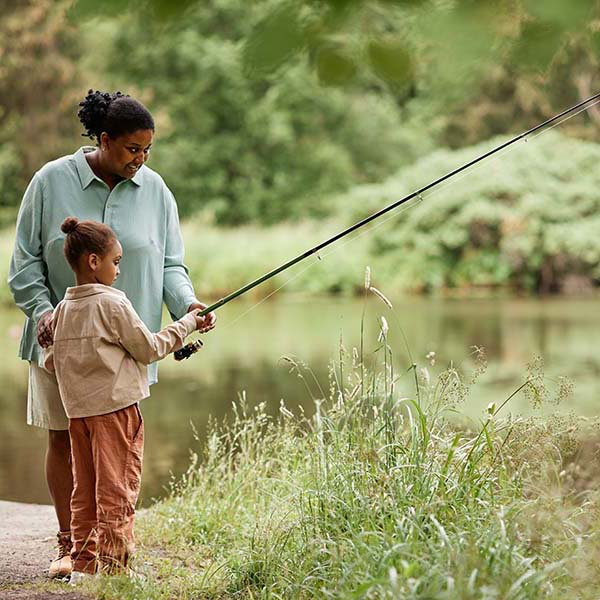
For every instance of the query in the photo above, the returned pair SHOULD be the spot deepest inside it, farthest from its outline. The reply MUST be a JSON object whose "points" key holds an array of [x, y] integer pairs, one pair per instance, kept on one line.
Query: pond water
{"points": [[244, 354]]}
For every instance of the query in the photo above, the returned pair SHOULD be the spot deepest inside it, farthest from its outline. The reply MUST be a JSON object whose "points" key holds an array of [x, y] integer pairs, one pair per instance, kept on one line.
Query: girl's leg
{"points": [[83, 500], [118, 450]]}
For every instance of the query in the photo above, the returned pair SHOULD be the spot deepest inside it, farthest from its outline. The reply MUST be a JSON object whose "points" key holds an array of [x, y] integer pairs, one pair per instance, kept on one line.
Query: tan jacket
{"points": [[101, 349]]}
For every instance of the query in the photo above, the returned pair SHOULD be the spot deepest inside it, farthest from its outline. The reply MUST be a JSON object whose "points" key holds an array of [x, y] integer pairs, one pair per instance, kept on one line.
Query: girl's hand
{"points": [[44, 330], [205, 323], [199, 319]]}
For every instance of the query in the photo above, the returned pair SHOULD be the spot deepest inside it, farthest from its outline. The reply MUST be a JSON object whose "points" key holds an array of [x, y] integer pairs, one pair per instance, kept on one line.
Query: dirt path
{"points": [[27, 541]]}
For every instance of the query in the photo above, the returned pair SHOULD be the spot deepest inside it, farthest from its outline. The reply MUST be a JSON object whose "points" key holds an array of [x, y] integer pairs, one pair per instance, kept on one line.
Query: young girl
{"points": [[100, 352]]}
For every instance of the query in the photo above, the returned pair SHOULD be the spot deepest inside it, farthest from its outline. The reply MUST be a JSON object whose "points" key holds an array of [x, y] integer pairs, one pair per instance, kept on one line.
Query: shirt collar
{"points": [[91, 289], [137, 178], [86, 175]]}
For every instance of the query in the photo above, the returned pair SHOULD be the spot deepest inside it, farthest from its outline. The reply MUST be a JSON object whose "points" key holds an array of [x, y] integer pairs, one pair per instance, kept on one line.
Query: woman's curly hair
{"points": [[116, 114]]}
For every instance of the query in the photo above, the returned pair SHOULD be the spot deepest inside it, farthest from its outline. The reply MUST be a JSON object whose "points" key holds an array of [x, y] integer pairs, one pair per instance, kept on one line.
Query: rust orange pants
{"points": [[107, 453]]}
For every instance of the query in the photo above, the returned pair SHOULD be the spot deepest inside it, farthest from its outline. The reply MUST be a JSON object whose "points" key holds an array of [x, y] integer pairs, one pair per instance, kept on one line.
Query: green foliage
{"points": [[528, 220], [250, 149], [261, 113], [334, 66], [377, 495], [537, 45], [391, 60], [253, 250], [466, 33], [11, 182], [274, 39], [37, 79]]}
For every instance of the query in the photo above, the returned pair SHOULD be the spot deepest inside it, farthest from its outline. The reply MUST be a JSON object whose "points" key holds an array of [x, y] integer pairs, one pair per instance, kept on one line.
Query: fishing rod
{"points": [[193, 347]]}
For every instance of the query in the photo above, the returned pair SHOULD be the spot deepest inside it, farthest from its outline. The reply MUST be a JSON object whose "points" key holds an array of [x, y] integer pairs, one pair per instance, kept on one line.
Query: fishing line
{"points": [[316, 262], [444, 181], [540, 133]]}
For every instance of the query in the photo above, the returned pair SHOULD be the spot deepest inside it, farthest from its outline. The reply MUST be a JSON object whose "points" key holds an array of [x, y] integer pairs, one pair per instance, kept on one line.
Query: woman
{"points": [[110, 184]]}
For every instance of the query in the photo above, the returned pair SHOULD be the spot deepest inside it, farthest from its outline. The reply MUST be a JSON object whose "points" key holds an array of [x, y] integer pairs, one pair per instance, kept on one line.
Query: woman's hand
{"points": [[207, 322], [44, 330]]}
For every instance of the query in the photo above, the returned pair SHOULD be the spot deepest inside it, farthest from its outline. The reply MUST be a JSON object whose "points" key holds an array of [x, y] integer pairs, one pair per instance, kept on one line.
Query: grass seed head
{"points": [[384, 330], [381, 296]]}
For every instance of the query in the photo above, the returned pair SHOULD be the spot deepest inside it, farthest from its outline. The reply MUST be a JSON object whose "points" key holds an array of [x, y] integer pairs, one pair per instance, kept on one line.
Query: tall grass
{"points": [[222, 260], [381, 493]]}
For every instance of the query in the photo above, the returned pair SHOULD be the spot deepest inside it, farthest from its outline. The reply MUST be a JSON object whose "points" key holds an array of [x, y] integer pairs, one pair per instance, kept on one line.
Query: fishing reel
{"points": [[188, 350]]}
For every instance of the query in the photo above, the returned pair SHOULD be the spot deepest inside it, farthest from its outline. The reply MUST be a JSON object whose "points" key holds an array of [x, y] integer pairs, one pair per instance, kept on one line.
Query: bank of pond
{"points": [[244, 354]]}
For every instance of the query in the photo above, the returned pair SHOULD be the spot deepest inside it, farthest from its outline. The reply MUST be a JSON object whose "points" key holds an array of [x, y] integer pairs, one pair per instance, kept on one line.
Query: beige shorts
{"points": [[44, 406]]}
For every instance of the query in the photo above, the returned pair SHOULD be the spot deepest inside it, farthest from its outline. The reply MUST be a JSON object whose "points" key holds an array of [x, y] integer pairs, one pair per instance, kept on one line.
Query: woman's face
{"points": [[124, 155]]}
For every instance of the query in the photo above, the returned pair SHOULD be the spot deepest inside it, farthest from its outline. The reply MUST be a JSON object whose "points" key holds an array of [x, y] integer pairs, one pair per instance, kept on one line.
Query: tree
{"points": [[38, 87], [244, 147]]}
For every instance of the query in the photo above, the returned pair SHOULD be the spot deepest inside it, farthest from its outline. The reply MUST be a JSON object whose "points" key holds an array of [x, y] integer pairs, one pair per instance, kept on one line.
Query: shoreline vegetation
{"points": [[382, 493], [527, 225], [253, 250]]}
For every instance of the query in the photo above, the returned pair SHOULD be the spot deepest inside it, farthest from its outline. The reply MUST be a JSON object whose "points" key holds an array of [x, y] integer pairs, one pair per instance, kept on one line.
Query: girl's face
{"points": [[106, 268], [125, 154]]}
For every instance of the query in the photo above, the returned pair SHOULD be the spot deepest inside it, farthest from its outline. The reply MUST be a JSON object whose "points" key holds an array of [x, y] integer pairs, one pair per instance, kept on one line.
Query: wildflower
{"points": [[565, 389], [430, 356], [480, 363], [367, 278], [536, 391]]}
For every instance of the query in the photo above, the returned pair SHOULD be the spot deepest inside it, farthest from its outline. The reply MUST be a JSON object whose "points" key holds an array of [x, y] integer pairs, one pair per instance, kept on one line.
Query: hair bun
{"points": [[69, 225], [94, 108]]}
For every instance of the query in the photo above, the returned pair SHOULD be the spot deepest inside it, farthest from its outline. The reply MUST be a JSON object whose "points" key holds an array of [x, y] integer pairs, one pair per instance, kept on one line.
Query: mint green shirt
{"points": [[143, 213]]}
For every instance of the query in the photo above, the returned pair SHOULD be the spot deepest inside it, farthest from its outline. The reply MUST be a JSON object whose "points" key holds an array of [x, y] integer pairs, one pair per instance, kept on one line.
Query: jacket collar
{"points": [[91, 289], [86, 175]]}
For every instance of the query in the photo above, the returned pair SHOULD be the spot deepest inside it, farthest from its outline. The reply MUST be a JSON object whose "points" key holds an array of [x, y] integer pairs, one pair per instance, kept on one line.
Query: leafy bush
{"points": [[528, 219], [251, 149]]}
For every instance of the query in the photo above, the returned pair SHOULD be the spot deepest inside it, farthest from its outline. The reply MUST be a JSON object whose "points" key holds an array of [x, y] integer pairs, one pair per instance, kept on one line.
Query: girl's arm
{"points": [[147, 347]]}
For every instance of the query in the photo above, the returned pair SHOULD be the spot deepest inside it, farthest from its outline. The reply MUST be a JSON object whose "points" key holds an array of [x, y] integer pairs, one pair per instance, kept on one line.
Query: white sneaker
{"points": [[78, 577]]}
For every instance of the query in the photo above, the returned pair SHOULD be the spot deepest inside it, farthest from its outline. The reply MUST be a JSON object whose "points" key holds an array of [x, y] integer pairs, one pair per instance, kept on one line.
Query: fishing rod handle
{"points": [[193, 347]]}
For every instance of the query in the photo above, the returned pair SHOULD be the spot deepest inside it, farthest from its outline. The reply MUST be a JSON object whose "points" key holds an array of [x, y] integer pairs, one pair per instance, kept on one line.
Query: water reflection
{"points": [[244, 354]]}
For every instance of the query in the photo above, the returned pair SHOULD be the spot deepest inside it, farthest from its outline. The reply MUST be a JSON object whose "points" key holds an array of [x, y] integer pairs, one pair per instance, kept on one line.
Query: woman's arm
{"points": [[178, 291], [27, 271]]}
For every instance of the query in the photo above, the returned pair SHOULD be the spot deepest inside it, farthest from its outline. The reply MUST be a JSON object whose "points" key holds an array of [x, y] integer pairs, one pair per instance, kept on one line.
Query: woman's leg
{"points": [[83, 501], [45, 410], [59, 476]]}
